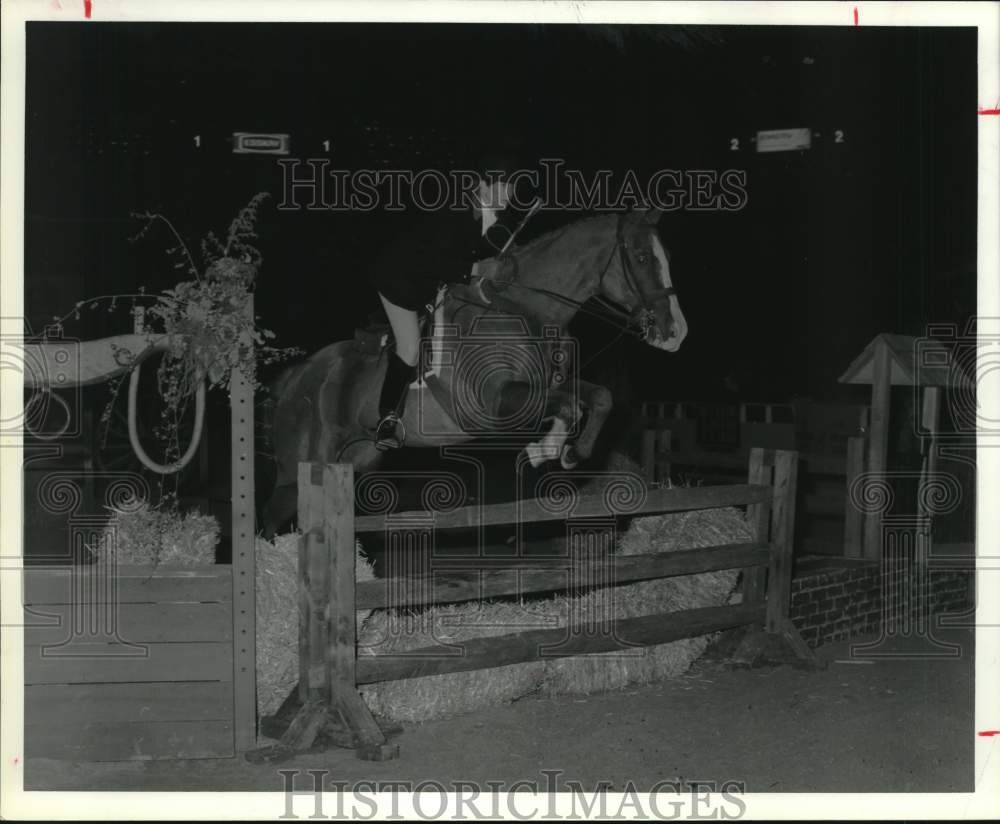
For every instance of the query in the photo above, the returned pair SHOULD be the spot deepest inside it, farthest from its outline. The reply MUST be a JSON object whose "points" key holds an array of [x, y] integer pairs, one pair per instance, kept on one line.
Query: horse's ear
{"points": [[652, 215]]}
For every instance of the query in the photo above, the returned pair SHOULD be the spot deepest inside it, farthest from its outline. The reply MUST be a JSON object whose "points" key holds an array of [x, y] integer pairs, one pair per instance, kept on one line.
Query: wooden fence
{"points": [[330, 669], [831, 457]]}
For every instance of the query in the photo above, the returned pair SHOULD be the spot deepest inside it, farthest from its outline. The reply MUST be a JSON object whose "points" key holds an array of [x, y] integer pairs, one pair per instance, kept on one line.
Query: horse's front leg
{"points": [[562, 408], [598, 401]]}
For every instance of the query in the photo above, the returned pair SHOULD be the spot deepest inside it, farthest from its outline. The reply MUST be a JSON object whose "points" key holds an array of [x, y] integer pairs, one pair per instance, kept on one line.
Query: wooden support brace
{"points": [[341, 653], [760, 648], [330, 708]]}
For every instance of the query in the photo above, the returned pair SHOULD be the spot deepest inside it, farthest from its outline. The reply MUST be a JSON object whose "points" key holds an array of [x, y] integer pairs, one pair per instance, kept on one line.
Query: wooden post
{"points": [[327, 625], [341, 649], [648, 458], [663, 467], [338, 527], [758, 516], [242, 540], [779, 641], [779, 579], [853, 521], [314, 585], [929, 424], [878, 443]]}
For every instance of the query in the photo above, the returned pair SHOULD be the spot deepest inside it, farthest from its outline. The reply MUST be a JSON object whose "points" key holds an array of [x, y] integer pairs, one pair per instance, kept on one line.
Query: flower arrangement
{"points": [[205, 320]]}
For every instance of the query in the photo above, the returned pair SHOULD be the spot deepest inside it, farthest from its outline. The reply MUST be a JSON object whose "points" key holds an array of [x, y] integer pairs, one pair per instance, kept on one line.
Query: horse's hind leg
{"points": [[280, 509]]}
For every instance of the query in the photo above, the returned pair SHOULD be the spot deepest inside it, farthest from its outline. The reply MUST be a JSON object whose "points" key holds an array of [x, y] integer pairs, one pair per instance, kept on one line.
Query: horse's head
{"points": [[638, 279]]}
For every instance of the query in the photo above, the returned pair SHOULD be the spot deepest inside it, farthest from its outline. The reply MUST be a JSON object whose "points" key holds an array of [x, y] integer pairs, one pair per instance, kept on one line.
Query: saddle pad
{"points": [[443, 397]]}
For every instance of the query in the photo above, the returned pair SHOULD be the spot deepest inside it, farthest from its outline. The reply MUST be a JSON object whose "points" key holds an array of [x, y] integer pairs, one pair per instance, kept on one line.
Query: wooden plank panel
{"points": [[812, 464], [145, 741], [484, 653], [473, 585], [146, 623], [135, 585], [531, 511], [98, 663], [51, 704], [826, 503]]}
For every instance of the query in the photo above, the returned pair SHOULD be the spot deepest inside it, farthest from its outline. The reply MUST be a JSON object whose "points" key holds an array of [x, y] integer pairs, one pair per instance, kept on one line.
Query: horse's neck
{"points": [[553, 279]]}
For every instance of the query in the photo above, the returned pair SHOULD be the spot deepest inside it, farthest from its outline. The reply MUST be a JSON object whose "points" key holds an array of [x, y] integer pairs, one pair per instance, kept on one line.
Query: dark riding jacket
{"points": [[439, 247]]}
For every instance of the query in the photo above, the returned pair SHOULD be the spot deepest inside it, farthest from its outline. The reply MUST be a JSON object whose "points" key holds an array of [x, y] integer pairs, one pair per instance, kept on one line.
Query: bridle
{"points": [[620, 250]]}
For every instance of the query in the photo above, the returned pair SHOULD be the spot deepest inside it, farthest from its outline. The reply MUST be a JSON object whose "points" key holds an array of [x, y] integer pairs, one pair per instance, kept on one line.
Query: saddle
{"points": [[377, 339]]}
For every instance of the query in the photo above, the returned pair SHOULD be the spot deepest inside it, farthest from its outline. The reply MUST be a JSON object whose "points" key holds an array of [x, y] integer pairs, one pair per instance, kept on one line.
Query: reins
{"points": [[619, 250]]}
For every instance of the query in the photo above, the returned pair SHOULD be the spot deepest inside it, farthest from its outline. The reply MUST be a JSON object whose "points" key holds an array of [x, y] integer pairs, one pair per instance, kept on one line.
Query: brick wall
{"points": [[835, 604]]}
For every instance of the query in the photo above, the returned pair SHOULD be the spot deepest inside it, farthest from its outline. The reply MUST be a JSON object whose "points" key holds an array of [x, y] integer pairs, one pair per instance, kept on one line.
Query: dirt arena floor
{"points": [[894, 725]]}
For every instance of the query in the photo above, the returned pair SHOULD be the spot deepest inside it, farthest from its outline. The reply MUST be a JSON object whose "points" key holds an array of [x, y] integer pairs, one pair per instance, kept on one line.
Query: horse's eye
{"points": [[642, 257]]}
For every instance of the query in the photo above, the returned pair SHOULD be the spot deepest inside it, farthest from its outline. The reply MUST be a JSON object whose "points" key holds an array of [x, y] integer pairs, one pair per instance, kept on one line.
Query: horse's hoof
{"points": [[569, 457], [535, 453]]}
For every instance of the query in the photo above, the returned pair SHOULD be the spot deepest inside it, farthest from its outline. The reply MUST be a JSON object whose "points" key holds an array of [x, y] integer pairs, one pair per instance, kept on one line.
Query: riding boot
{"points": [[392, 401]]}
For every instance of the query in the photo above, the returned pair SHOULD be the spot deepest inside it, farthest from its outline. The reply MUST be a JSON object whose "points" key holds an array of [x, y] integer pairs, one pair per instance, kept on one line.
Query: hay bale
{"points": [[277, 602], [615, 461], [660, 533], [138, 533], [441, 696]]}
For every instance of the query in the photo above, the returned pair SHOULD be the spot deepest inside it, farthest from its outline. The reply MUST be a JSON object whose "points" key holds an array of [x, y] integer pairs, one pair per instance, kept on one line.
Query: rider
{"points": [[440, 247]]}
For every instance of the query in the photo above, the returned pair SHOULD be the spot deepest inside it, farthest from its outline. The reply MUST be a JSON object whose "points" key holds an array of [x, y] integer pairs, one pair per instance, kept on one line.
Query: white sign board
{"points": [[251, 143], [784, 140]]}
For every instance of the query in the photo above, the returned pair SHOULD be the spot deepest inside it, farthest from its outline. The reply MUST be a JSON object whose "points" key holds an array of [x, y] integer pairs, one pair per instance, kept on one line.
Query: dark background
{"points": [[836, 243]]}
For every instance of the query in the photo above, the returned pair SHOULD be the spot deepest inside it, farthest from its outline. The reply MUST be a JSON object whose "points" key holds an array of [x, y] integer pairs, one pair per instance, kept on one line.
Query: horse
{"points": [[499, 358]]}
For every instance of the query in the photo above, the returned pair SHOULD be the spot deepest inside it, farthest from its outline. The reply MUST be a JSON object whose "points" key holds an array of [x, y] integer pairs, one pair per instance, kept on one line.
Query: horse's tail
{"points": [[265, 412], [276, 387]]}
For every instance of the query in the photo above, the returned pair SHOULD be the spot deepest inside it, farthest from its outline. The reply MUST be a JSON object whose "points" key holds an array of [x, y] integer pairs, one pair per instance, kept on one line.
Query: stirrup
{"points": [[386, 436]]}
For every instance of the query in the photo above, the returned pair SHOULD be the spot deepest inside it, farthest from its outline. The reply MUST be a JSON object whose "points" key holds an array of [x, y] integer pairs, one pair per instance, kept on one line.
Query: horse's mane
{"points": [[542, 241]]}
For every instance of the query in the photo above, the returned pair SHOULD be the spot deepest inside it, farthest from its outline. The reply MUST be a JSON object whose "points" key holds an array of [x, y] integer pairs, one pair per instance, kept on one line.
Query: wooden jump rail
{"points": [[330, 669], [658, 460]]}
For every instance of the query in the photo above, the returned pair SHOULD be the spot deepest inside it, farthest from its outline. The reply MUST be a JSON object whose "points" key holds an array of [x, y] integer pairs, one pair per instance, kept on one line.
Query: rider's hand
{"points": [[488, 268]]}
